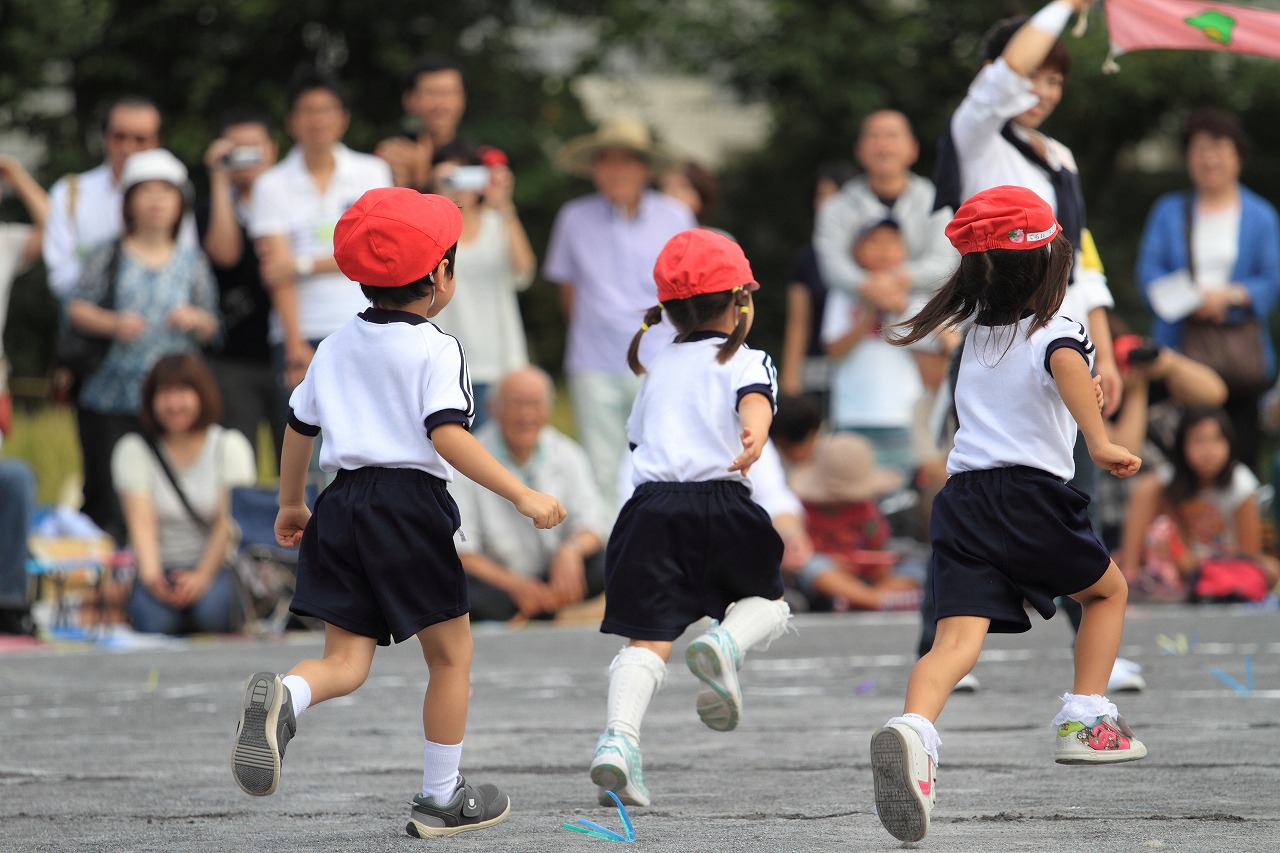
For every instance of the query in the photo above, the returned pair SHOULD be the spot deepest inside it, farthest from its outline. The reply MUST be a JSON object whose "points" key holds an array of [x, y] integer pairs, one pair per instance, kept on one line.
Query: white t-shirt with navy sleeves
{"points": [[1008, 405], [684, 424], [377, 387]]}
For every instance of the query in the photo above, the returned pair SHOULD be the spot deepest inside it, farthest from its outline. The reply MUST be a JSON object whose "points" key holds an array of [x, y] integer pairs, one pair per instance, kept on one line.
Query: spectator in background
{"points": [[165, 301], [434, 99], [296, 205], [19, 247], [175, 479], [242, 364], [694, 185], [602, 250], [84, 208], [514, 570], [1227, 239], [494, 262], [805, 366]]}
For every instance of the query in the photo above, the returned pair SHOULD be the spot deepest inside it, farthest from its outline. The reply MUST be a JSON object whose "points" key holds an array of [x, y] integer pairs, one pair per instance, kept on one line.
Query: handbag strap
{"points": [[173, 481], [1188, 201], [113, 272]]}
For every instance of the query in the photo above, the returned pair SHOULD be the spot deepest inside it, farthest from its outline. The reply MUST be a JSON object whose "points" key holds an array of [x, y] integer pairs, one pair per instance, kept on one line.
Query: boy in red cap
{"points": [[690, 542], [377, 561], [1006, 528]]}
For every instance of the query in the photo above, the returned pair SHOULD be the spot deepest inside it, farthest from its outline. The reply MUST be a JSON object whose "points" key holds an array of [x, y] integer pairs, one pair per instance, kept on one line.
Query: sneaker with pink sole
{"points": [[1104, 740]]}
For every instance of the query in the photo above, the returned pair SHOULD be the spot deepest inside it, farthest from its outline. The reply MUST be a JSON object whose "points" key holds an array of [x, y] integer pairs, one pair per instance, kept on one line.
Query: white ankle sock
{"points": [[634, 676], [299, 691], [755, 622], [440, 770], [924, 727], [1084, 709]]}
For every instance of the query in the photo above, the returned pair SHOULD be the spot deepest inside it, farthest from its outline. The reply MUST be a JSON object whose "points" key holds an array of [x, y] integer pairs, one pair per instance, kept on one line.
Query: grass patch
{"points": [[45, 437]]}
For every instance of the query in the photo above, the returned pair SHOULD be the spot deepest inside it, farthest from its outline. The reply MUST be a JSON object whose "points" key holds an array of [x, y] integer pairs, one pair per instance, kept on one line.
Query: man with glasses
{"points": [[86, 209]]}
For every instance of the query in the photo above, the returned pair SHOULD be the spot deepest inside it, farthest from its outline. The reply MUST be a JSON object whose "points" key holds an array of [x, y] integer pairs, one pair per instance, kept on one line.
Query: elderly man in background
{"points": [[513, 569], [601, 253]]}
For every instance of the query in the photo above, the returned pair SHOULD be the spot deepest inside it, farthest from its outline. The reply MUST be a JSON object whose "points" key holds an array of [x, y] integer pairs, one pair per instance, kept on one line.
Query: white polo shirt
{"points": [[286, 201], [1008, 405], [684, 424], [377, 387]]}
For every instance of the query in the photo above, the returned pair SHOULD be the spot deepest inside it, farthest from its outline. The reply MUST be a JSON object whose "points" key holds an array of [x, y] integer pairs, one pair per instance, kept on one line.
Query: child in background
{"points": [[377, 561], [874, 386], [690, 542], [852, 563], [1006, 528], [1193, 527]]}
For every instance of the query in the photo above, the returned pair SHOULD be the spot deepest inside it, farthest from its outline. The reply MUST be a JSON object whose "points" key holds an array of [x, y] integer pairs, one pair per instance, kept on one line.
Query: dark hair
{"points": [[127, 213], [1219, 124], [457, 151], [398, 297], [997, 39], [186, 369], [997, 286], [799, 416], [308, 80], [1186, 483], [131, 102], [431, 63], [691, 314], [838, 172], [704, 184], [243, 114]]}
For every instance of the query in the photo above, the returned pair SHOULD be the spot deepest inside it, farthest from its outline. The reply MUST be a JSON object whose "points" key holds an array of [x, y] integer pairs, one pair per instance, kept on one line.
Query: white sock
{"points": [[755, 622], [440, 770], [299, 691], [634, 676], [924, 727], [1084, 709]]}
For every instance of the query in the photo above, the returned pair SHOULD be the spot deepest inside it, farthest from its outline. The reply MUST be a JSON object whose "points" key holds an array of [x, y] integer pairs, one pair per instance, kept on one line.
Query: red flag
{"points": [[1190, 25]]}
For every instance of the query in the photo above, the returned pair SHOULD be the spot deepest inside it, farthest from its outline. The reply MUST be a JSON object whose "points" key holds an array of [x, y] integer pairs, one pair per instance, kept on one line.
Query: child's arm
{"points": [[1071, 374], [295, 458], [461, 450], [845, 344], [755, 411]]}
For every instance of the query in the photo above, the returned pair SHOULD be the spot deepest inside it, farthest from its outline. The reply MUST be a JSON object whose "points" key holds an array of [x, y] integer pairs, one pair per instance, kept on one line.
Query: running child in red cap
{"points": [[1006, 528], [377, 561], [690, 542]]}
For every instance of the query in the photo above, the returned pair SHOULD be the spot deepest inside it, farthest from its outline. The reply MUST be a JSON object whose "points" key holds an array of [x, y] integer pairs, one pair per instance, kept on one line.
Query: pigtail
{"points": [[741, 299], [949, 306], [652, 317]]}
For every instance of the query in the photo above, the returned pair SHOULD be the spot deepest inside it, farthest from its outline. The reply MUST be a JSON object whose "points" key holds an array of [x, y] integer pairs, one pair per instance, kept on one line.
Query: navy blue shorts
{"points": [[378, 558], [1007, 535], [681, 551]]}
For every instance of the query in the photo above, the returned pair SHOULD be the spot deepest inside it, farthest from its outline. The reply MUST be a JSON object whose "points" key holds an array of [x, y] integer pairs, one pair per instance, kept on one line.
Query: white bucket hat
{"points": [[156, 164]]}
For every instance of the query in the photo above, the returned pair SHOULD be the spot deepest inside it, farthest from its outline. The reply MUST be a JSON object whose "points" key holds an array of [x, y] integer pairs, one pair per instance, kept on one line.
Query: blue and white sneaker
{"points": [[714, 659], [616, 767]]}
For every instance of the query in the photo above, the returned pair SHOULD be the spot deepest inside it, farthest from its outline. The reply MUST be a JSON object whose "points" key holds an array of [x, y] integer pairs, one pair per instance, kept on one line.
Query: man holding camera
{"points": [[242, 365]]}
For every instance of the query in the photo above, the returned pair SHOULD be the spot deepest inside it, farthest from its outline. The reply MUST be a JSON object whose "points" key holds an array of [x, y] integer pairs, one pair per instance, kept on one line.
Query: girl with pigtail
{"points": [[1007, 528], [690, 542]]}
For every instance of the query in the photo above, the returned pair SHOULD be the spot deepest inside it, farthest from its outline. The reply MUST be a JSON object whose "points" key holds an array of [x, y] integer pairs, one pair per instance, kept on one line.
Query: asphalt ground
{"points": [[130, 750]]}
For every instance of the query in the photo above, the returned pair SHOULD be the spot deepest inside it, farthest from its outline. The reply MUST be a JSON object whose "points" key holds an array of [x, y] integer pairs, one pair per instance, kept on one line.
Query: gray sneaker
{"points": [[472, 807], [266, 726]]}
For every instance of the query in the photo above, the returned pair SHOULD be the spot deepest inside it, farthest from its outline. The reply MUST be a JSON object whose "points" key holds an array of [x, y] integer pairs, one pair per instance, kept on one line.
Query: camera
{"points": [[243, 157], [467, 178], [1134, 349]]}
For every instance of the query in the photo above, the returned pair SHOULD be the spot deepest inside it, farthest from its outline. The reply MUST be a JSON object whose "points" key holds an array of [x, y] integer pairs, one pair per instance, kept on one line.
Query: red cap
{"points": [[701, 260], [1002, 218], [394, 236]]}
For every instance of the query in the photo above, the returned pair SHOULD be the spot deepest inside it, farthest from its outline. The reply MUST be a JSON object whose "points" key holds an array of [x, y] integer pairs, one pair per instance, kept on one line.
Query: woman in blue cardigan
{"points": [[1235, 246]]}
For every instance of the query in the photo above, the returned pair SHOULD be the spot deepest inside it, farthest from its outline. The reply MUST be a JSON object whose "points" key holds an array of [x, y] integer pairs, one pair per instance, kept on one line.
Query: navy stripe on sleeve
{"points": [[446, 416], [302, 426], [1067, 343], [766, 390]]}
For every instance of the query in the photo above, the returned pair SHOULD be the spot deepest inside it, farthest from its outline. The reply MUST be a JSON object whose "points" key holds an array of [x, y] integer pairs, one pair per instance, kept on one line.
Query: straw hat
{"points": [[577, 155], [843, 469]]}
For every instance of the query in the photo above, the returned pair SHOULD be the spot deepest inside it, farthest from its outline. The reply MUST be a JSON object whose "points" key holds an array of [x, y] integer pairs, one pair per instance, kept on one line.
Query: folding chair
{"points": [[267, 572]]}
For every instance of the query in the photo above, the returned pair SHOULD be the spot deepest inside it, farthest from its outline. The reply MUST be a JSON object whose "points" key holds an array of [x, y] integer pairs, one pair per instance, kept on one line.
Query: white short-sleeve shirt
{"points": [[377, 387], [1008, 405], [876, 384], [287, 202], [684, 424]]}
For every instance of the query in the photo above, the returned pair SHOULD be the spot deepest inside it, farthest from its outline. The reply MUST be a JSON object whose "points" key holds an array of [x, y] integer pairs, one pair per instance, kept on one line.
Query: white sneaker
{"points": [[713, 659], [1105, 740], [1126, 677], [905, 778], [616, 767], [968, 684]]}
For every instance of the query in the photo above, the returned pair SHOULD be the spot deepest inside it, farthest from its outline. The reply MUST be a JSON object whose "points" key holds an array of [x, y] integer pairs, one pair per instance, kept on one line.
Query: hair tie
{"points": [[745, 309], [661, 307], [736, 289], [644, 327]]}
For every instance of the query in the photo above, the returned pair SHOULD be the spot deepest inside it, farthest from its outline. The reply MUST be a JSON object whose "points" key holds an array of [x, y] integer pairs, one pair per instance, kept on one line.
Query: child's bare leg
{"points": [[1101, 628], [447, 648], [955, 651], [344, 667]]}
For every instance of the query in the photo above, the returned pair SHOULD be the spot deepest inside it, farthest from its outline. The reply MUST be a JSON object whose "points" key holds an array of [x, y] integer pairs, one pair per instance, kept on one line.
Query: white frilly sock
{"points": [[1084, 709], [923, 727]]}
